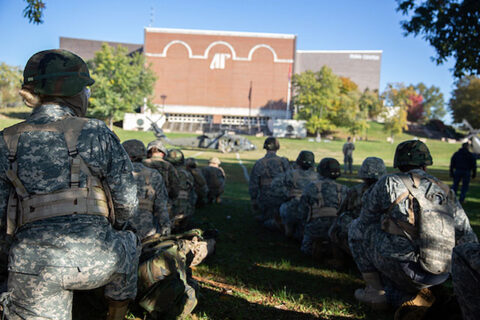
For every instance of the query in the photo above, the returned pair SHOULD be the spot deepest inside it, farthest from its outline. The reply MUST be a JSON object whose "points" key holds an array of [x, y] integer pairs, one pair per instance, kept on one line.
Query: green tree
{"points": [[372, 103], [34, 11], [452, 27], [10, 83], [317, 98], [397, 98], [121, 83], [433, 102], [465, 101]]}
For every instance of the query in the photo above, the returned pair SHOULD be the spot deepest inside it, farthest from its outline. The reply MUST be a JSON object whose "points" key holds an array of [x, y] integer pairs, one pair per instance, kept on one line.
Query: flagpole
{"points": [[289, 92], [250, 108]]}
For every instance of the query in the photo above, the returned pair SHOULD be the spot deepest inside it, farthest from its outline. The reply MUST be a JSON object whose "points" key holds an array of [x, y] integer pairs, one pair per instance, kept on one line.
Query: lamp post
{"points": [[163, 97]]}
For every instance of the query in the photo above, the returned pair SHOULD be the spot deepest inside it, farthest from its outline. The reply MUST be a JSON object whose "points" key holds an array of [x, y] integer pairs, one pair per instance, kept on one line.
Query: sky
{"points": [[318, 24]]}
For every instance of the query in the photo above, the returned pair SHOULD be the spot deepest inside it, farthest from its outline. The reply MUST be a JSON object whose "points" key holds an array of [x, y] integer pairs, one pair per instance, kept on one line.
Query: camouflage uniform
{"points": [[52, 257], [215, 177], [287, 188], [466, 279], [261, 177], [393, 255], [200, 184], [168, 172], [318, 196], [371, 170], [148, 221]]}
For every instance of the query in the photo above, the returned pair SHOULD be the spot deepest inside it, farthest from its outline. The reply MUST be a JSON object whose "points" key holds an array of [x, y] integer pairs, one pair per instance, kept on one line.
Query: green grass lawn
{"points": [[258, 274]]}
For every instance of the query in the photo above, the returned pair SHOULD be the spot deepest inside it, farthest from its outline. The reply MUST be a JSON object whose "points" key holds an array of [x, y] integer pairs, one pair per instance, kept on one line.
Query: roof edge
{"points": [[222, 33]]}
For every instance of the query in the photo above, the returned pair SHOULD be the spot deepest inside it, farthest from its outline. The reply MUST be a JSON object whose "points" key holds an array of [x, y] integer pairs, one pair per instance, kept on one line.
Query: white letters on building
{"points": [[218, 61]]}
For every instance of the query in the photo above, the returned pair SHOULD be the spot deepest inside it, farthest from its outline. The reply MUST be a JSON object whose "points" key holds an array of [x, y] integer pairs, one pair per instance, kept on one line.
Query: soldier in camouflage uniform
{"points": [[184, 206], [66, 174], [371, 170], [402, 241], [215, 177], [156, 154], [319, 204], [466, 279], [261, 177], [286, 190], [201, 187], [151, 215]]}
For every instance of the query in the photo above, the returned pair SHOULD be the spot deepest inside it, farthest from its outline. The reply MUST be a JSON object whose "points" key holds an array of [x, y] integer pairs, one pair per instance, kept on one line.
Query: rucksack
{"points": [[431, 227]]}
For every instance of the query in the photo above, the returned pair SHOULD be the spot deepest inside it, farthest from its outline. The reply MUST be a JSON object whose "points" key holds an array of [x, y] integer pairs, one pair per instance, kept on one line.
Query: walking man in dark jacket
{"points": [[462, 164]]}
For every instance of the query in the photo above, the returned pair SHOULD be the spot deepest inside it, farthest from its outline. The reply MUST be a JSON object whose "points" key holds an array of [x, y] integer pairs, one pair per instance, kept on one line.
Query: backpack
{"points": [[431, 227]]}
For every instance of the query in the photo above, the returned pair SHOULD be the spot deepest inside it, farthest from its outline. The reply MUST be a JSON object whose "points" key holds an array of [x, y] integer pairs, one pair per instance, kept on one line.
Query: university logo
{"points": [[218, 61]]}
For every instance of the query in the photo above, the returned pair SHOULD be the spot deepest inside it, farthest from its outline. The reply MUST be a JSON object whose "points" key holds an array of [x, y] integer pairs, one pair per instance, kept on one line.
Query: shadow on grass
{"points": [[235, 308]]}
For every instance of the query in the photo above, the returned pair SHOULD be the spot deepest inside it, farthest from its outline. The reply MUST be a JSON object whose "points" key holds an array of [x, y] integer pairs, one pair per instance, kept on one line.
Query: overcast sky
{"points": [[318, 24]]}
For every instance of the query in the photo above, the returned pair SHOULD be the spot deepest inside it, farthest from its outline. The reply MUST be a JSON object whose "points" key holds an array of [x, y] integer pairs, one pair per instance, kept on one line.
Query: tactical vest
{"points": [[266, 179], [186, 183], [94, 199], [318, 209], [145, 201], [431, 227]]}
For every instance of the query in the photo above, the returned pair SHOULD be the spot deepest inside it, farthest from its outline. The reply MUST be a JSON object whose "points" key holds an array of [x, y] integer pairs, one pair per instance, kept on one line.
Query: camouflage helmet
{"points": [[135, 149], [329, 168], [157, 144], [190, 163], [57, 72], [271, 143], [306, 159], [214, 160], [175, 157], [372, 168], [412, 153]]}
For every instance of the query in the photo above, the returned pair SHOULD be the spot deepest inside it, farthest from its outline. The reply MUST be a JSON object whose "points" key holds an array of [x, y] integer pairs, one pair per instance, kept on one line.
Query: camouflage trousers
{"points": [[338, 232], [292, 219], [466, 279], [401, 274], [43, 289], [315, 229]]}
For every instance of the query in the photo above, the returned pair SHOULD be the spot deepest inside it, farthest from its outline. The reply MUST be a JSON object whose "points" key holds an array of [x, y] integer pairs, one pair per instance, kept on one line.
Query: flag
{"points": [[250, 92]]}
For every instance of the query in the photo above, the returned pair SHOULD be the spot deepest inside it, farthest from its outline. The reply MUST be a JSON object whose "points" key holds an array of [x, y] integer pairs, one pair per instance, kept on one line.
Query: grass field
{"points": [[258, 274]]}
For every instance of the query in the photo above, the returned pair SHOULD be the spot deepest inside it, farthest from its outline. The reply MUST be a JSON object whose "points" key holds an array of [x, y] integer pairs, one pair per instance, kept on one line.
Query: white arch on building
{"points": [[213, 44], [258, 46]]}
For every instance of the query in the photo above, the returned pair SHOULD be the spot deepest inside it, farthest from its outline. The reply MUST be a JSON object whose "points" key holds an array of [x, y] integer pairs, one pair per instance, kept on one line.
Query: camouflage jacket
{"points": [[291, 183], [168, 172], [376, 204], [215, 177], [159, 196], [43, 167], [264, 171], [353, 201], [201, 187], [332, 193]]}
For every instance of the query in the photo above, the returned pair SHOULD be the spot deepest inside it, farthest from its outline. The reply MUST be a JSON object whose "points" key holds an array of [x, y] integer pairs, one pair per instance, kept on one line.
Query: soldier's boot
{"points": [[417, 307], [117, 309], [373, 294]]}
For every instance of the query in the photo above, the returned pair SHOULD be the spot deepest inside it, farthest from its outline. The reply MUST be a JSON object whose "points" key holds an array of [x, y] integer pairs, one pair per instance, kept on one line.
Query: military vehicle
{"points": [[221, 141]]}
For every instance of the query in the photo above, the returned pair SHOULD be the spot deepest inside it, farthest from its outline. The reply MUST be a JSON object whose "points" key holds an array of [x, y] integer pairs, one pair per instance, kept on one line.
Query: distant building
{"points": [[210, 79], [86, 48], [361, 66]]}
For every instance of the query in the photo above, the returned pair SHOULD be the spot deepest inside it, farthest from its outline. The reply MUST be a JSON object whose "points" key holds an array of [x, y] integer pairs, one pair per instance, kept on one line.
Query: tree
{"points": [[317, 94], [415, 110], [372, 103], [433, 102], [10, 83], [121, 83], [452, 27], [465, 101], [397, 99], [34, 11]]}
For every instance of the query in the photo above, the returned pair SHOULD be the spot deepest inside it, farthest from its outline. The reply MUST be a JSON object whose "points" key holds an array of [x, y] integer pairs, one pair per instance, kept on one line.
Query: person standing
{"points": [[462, 165], [70, 190], [348, 148]]}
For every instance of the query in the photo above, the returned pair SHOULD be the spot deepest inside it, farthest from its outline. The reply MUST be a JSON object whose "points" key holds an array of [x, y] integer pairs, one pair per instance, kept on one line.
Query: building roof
{"points": [[361, 66], [86, 48], [222, 33]]}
